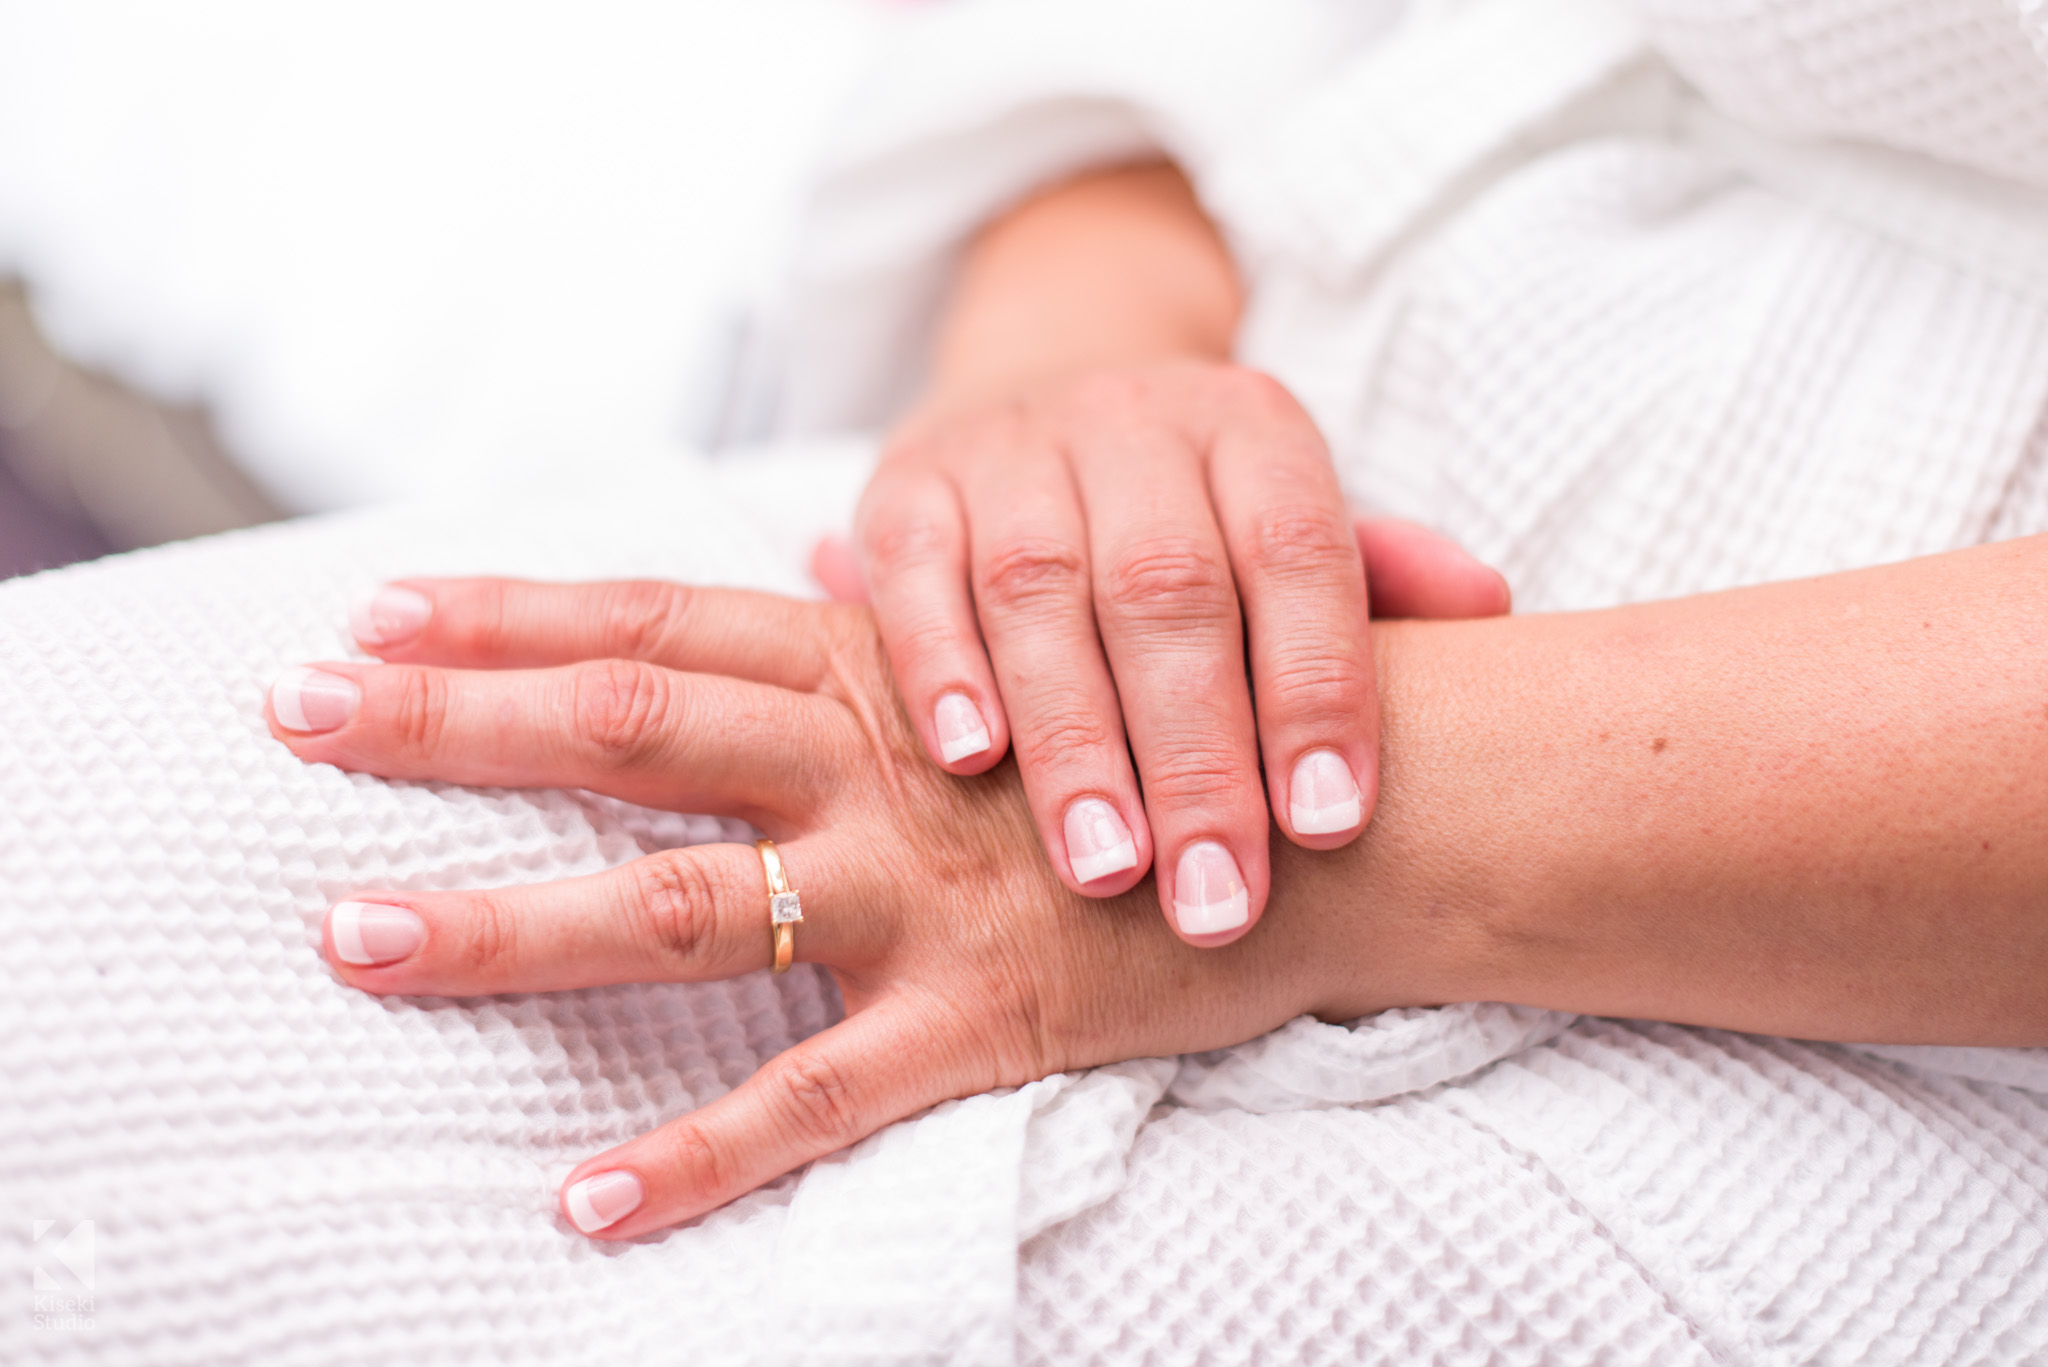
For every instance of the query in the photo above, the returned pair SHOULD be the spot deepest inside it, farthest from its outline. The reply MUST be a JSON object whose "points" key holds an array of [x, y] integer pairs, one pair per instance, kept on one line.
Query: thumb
{"points": [[1412, 571], [837, 569]]}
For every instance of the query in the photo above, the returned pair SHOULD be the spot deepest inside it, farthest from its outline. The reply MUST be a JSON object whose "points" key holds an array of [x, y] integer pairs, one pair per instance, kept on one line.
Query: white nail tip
{"points": [[346, 924], [388, 614], [1214, 917], [1115, 859], [958, 724], [602, 1201], [960, 747], [1323, 797], [362, 620], [284, 698], [582, 1212], [1338, 816]]}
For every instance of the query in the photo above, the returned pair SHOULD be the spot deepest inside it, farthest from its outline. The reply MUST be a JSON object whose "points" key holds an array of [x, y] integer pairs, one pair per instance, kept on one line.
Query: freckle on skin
{"points": [[1658, 745]]}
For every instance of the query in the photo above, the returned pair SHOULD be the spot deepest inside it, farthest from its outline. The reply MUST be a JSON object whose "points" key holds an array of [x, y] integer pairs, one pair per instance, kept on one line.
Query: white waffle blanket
{"points": [[280, 1169], [1622, 364]]}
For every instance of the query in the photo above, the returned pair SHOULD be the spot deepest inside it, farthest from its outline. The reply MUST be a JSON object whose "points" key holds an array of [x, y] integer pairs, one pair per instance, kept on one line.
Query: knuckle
{"points": [[1030, 573], [1318, 686], [1198, 775], [1061, 731], [1170, 580], [923, 637], [419, 711], [618, 708], [1257, 391], [636, 616], [676, 903], [477, 620], [1299, 544], [926, 649], [706, 1165], [908, 541], [813, 1095], [488, 949], [1109, 394]]}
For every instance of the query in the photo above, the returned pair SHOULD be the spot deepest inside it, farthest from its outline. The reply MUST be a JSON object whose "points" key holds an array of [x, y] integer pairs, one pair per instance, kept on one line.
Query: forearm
{"points": [[1111, 268], [1815, 809]]}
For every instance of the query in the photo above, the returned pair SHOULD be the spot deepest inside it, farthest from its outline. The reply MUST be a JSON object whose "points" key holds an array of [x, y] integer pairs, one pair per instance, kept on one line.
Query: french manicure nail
{"points": [[368, 933], [1208, 891], [961, 730], [388, 615], [310, 701], [602, 1201], [1322, 796], [1098, 842]]}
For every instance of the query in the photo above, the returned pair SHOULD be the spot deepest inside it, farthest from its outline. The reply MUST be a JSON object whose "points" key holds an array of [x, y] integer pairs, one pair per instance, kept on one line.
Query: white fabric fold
{"points": [[1361, 160], [1307, 1063], [988, 102]]}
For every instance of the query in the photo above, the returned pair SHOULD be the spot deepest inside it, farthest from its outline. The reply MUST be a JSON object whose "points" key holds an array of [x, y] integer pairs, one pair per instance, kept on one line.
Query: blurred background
{"points": [[262, 259]]}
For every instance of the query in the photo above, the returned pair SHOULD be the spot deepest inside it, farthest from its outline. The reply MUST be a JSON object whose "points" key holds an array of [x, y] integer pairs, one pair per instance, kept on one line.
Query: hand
{"points": [[1074, 575], [964, 965]]}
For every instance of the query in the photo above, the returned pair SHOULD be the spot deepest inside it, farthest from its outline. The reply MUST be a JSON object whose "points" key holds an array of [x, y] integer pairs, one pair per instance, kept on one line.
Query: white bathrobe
{"points": [[1633, 301]]}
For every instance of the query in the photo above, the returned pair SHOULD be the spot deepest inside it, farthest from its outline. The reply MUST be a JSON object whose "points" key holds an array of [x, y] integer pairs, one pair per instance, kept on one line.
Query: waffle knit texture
{"points": [[1682, 296]]}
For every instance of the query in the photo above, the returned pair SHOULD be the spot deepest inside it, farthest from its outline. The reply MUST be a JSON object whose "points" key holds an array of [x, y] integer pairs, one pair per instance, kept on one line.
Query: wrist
{"points": [[1417, 911], [1114, 268]]}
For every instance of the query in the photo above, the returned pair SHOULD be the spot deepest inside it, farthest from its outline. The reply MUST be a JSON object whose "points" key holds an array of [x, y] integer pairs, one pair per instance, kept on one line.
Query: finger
{"points": [[1171, 628], [687, 915], [1415, 572], [838, 570], [1297, 565], [1037, 609], [814, 1098], [688, 742], [915, 544], [519, 624]]}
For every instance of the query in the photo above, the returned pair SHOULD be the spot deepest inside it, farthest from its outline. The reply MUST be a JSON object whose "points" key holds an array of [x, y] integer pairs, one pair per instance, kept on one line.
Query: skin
{"points": [[1808, 809], [1093, 521]]}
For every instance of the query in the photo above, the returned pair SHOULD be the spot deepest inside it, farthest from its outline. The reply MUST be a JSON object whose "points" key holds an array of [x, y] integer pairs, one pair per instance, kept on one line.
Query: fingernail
{"points": [[1208, 891], [310, 701], [1098, 842], [388, 615], [1322, 797], [602, 1201], [367, 933], [961, 730]]}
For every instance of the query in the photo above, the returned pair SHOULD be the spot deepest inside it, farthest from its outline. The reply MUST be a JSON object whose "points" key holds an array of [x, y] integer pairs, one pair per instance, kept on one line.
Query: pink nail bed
{"points": [[310, 701], [367, 934], [1209, 895], [1098, 842], [961, 730], [389, 615], [602, 1201], [1322, 796]]}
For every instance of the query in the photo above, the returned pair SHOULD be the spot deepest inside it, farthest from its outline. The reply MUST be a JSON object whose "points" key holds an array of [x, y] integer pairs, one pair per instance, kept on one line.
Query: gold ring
{"points": [[785, 908]]}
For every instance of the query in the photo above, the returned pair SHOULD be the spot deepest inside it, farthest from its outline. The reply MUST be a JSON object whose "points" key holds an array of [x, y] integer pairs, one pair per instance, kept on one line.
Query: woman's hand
{"points": [[963, 963], [1094, 528], [1809, 809], [1103, 575]]}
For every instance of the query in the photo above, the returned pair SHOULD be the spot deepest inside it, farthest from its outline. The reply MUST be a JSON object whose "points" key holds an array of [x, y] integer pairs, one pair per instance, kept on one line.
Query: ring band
{"points": [[785, 907]]}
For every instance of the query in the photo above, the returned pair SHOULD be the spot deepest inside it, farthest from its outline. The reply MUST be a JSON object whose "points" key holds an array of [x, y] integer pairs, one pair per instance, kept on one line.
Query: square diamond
{"points": [[783, 908]]}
